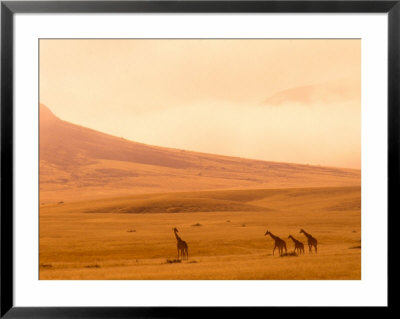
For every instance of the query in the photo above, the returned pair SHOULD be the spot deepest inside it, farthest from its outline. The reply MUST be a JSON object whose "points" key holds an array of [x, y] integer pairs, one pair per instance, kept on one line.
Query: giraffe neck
{"points": [[177, 237], [306, 234], [273, 236], [291, 237]]}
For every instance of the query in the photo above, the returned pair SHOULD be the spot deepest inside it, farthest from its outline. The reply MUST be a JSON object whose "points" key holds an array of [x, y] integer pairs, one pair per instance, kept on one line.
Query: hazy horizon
{"points": [[293, 101]]}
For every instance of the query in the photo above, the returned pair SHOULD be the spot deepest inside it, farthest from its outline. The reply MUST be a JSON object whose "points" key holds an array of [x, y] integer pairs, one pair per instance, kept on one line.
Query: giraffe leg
{"points": [[315, 248], [273, 251]]}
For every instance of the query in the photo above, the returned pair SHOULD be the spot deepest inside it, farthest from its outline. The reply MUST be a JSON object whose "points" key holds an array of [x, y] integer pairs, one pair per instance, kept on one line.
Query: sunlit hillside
{"points": [[77, 163]]}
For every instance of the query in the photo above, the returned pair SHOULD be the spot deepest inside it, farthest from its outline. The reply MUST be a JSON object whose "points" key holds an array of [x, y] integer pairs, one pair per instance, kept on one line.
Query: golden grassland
{"points": [[131, 237]]}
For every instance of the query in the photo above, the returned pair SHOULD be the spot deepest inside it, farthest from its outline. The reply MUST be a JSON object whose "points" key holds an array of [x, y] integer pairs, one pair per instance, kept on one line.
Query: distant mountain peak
{"points": [[329, 92]]}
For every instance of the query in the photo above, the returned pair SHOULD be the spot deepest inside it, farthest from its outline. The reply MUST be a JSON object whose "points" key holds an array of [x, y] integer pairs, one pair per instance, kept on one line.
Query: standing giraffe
{"points": [[310, 240], [298, 245], [280, 243], [181, 245]]}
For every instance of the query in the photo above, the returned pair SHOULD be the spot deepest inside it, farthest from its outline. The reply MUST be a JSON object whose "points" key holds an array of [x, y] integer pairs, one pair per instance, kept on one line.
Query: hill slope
{"points": [[78, 163]]}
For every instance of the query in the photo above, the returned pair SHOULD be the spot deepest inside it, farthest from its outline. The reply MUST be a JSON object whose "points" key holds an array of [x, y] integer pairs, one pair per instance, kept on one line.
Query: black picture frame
{"points": [[9, 8]]}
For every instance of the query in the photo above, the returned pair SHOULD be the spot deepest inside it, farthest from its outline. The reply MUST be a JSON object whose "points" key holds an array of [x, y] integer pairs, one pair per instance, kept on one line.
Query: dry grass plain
{"points": [[131, 237]]}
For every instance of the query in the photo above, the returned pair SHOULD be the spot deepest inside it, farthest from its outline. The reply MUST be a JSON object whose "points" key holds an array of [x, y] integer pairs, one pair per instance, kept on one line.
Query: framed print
{"points": [[173, 158]]}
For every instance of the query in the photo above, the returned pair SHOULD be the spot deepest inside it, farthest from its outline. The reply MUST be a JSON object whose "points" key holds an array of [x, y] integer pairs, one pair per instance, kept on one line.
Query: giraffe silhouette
{"points": [[280, 243], [298, 245], [311, 241], [181, 245]]}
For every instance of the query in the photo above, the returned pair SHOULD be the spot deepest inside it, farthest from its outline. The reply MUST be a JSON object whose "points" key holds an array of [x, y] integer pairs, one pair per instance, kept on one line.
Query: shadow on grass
{"points": [[178, 261], [292, 254], [92, 266]]}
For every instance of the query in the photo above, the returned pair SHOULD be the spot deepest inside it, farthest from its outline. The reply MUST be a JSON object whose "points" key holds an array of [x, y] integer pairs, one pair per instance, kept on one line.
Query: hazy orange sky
{"points": [[293, 101]]}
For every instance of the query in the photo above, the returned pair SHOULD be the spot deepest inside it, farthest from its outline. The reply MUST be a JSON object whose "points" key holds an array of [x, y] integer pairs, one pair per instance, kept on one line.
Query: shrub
{"points": [[197, 224]]}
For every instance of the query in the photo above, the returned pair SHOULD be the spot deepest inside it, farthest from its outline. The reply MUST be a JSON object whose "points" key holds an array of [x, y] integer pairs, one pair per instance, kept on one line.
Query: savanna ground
{"points": [[132, 237]]}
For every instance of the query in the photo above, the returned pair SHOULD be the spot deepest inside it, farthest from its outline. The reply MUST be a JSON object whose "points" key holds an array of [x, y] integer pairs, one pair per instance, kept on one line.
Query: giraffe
{"points": [[311, 241], [298, 245], [280, 243], [181, 245]]}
